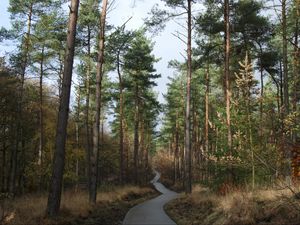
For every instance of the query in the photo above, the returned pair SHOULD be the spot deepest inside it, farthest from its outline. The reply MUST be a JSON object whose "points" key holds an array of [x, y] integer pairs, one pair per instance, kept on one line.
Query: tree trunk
{"points": [[142, 145], [96, 126], [87, 110], [136, 135], [261, 97], [60, 74], [54, 197], [296, 63], [207, 110], [285, 60], [77, 137], [176, 155], [187, 145], [121, 130], [227, 74], [3, 167], [248, 106], [19, 130], [286, 148], [227, 83], [41, 119]]}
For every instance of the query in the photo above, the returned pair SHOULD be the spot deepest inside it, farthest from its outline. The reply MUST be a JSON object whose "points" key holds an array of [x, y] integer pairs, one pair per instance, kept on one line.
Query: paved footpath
{"points": [[151, 212]]}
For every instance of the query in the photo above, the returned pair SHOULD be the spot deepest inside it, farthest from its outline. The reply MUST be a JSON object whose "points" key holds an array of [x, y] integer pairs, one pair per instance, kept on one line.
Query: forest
{"points": [[83, 130]]}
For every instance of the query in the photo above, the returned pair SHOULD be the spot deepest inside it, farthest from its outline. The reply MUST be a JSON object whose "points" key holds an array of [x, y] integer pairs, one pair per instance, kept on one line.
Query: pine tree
{"points": [[54, 198]]}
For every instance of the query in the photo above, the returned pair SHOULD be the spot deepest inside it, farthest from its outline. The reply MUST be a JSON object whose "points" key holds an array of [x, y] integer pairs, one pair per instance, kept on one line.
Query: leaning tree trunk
{"points": [[96, 126], [187, 144], [63, 114]]}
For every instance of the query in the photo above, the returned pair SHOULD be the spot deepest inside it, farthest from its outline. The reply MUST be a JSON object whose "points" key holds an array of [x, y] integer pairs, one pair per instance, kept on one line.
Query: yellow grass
{"points": [[30, 209], [236, 207]]}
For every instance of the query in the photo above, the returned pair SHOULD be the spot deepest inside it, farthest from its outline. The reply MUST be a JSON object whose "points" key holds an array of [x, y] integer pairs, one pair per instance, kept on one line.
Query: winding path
{"points": [[151, 212]]}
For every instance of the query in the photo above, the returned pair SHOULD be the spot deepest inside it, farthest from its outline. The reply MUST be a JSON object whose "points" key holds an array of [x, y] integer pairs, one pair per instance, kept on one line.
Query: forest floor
{"points": [[112, 205], [265, 206]]}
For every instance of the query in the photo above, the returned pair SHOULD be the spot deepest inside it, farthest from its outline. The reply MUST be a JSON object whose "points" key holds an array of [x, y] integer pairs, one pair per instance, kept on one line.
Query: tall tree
{"points": [[139, 65], [227, 71], [118, 44], [96, 125], [54, 197], [25, 10], [88, 25], [159, 18], [188, 151], [24, 13]]}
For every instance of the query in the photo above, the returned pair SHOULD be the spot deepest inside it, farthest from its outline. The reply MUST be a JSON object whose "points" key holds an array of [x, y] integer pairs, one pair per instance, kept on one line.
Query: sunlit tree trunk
{"points": [[96, 126], [187, 145], [54, 197]]}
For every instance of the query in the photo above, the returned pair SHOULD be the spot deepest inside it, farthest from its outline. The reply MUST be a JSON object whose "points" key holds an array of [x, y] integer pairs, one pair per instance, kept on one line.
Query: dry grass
{"points": [[30, 209], [240, 207]]}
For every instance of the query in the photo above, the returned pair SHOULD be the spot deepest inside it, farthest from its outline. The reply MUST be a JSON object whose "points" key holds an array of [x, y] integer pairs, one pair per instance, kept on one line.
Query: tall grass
{"points": [[30, 209]]}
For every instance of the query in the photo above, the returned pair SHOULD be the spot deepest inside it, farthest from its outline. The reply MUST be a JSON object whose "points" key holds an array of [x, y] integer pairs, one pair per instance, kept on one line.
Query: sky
{"points": [[167, 47]]}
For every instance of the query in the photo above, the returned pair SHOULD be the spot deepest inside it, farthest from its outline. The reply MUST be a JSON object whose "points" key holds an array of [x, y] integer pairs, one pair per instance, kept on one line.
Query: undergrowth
{"points": [[112, 205], [265, 206]]}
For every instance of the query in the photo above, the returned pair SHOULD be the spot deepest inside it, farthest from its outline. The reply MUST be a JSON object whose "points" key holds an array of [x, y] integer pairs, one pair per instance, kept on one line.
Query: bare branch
{"points": [[177, 36], [183, 56], [179, 24]]}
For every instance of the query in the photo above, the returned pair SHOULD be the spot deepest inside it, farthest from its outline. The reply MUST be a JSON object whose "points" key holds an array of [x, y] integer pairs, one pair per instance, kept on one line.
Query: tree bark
{"points": [[207, 109], [261, 96], [87, 109], [296, 63], [136, 135], [41, 119], [285, 60], [96, 126], [187, 145], [77, 137], [54, 197], [121, 130], [3, 167], [176, 155]]}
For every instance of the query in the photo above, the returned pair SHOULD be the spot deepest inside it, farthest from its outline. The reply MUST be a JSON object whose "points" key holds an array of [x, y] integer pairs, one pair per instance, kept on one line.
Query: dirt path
{"points": [[151, 212]]}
